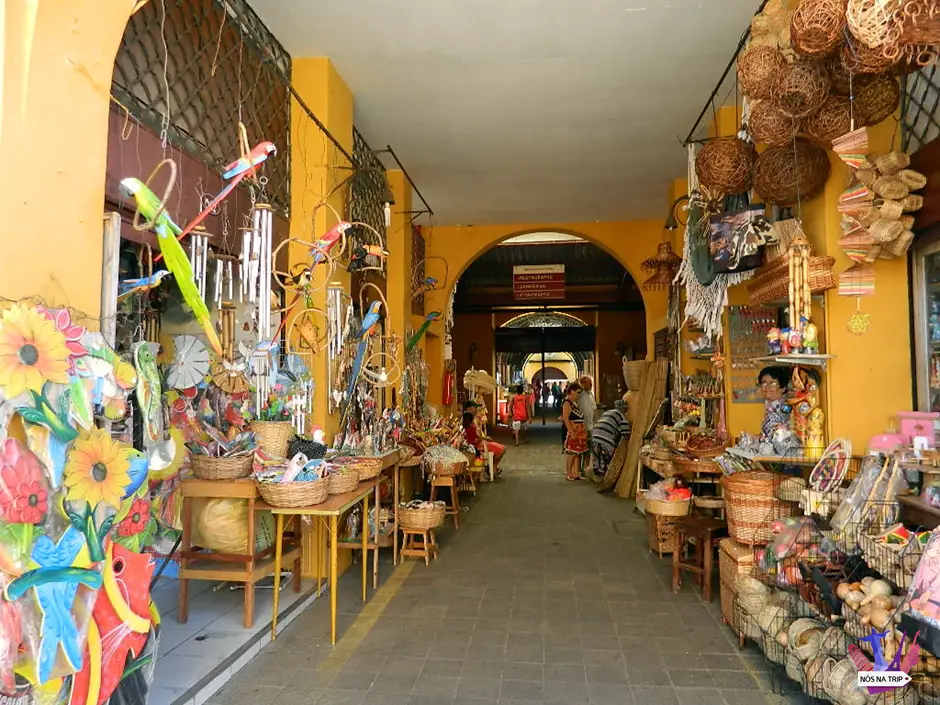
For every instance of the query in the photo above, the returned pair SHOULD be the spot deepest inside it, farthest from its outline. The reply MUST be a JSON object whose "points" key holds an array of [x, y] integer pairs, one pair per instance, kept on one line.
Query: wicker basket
{"points": [[734, 559], [633, 372], [751, 505], [664, 454], [294, 494], [728, 613], [368, 468], [668, 509], [708, 502], [206, 467], [421, 519], [273, 436], [662, 533], [773, 280], [688, 466], [345, 480]]}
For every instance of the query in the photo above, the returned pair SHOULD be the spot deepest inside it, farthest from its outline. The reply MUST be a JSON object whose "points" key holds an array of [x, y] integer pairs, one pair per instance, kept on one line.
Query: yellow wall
{"points": [[58, 57], [398, 275], [629, 242], [561, 363]]}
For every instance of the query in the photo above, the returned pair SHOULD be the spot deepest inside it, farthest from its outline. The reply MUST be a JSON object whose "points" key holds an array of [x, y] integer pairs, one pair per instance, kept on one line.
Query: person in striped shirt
{"points": [[606, 435]]}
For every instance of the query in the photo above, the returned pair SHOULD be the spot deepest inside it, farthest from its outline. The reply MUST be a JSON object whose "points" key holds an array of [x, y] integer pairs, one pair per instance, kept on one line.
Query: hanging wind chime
{"points": [[199, 257]]}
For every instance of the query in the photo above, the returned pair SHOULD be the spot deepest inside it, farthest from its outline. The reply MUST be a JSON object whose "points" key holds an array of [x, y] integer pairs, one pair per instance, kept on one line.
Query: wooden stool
{"points": [[451, 482], [706, 532], [426, 548]]}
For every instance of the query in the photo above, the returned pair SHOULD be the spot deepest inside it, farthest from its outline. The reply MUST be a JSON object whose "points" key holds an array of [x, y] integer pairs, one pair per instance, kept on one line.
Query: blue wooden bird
{"points": [[369, 321], [129, 287]]}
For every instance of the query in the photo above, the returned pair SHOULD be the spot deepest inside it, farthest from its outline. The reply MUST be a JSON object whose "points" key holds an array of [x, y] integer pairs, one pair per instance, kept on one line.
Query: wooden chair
{"points": [[706, 532], [449, 481], [425, 548]]}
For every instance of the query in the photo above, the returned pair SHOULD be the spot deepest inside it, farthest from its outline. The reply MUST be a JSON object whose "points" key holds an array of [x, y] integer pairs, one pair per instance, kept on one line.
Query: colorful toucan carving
{"points": [[176, 260], [369, 321], [415, 339], [237, 171]]}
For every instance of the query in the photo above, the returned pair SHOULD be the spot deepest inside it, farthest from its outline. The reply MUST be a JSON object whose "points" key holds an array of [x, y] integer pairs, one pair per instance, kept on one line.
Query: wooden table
{"points": [[332, 509], [248, 567]]}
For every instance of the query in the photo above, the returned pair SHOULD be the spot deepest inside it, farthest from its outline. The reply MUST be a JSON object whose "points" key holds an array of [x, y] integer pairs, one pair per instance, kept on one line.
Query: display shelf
{"points": [[817, 360], [916, 511]]}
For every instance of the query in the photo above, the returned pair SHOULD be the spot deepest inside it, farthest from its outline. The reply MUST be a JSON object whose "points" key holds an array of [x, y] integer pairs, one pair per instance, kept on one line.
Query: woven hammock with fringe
{"points": [[704, 304]]}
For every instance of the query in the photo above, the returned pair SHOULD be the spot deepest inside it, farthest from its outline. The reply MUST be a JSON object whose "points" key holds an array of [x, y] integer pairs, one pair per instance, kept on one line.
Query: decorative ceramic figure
{"points": [[785, 341], [773, 341], [810, 337], [796, 339]]}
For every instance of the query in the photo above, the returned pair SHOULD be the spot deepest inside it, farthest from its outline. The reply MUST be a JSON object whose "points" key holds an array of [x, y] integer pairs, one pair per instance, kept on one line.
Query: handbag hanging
{"points": [[736, 236]]}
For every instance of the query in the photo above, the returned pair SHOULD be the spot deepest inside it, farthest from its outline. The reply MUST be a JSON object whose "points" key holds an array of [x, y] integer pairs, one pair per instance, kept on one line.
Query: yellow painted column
{"points": [[58, 57], [398, 278], [318, 170]]}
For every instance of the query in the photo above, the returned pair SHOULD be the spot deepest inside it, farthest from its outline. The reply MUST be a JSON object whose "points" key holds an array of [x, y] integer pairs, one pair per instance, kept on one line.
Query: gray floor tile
{"points": [[609, 694], [684, 678], [652, 695], [342, 697], [441, 686], [475, 687]]}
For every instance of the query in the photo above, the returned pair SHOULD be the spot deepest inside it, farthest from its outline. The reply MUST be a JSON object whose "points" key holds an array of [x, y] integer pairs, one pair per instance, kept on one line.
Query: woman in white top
{"points": [[588, 407]]}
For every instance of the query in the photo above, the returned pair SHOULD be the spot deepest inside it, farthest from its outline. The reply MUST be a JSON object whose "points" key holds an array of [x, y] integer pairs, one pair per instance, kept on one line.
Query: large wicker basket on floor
{"points": [[421, 519], [662, 533], [751, 505], [206, 467], [273, 436], [344, 480], [294, 494]]}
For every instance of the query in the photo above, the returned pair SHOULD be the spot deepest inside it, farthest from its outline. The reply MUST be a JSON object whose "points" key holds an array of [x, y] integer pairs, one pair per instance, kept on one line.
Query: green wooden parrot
{"points": [[413, 340], [176, 260], [149, 391]]}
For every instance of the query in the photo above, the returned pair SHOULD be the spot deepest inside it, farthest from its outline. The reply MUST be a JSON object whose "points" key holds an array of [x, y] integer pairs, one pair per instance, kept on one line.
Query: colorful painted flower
{"points": [[62, 320], [23, 499], [32, 351], [136, 520], [97, 469]]}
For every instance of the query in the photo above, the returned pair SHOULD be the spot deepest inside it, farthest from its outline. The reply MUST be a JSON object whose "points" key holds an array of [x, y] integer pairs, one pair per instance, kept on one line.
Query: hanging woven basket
{"points": [[830, 121], [724, 164], [839, 80], [800, 88], [757, 67], [817, 26], [860, 58], [876, 99], [768, 125], [784, 175]]}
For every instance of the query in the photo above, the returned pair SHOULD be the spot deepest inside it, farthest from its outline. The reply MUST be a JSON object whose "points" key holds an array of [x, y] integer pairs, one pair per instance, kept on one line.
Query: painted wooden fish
{"points": [[119, 628]]}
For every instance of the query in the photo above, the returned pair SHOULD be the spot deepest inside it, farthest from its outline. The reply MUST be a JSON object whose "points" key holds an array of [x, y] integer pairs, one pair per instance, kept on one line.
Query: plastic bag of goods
{"points": [[222, 525]]}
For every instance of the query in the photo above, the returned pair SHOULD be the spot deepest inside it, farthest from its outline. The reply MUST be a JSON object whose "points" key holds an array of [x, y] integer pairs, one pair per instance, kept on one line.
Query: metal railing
{"points": [[920, 102], [368, 190]]}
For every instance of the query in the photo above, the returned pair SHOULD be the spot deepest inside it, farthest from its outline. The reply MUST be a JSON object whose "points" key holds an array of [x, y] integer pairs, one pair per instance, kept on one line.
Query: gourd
{"points": [[875, 589]]}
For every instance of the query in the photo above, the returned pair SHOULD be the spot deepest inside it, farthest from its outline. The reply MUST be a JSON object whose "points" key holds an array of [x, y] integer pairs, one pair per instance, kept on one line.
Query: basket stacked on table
{"points": [[751, 504], [207, 467], [343, 479], [273, 436], [293, 494]]}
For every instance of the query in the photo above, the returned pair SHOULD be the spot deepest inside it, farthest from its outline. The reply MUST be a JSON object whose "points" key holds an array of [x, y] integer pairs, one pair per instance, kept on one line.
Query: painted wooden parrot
{"points": [[321, 248], [416, 338], [148, 392], [176, 260], [237, 171], [129, 287], [369, 321]]}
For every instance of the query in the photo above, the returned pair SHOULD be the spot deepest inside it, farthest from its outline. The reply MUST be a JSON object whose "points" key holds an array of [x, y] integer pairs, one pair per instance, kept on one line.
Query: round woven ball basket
{"points": [[273, 436], [421, 519], [767, 124], [757, 67], [817, 26], [784, 175], [724, 164], [832, 120], [859, 58], [876, 99], [206, 467], [294, 494], [345, 480], [840, 82], [800, 88]]}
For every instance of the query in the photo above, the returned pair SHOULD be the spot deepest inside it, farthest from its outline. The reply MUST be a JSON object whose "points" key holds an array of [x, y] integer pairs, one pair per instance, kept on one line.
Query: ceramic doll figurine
{"points": [[773, 341], [807, 419], [785, 341], [796, 340], [810, 337]]}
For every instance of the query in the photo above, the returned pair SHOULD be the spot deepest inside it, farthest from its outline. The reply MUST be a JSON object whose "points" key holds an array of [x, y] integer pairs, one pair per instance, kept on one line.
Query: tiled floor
{"points": [[546, 594]]}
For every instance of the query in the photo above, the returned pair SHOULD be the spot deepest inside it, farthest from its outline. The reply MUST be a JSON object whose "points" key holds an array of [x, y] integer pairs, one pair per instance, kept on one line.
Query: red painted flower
{"points": [[136, 520], [62, 320], [23, 499]]}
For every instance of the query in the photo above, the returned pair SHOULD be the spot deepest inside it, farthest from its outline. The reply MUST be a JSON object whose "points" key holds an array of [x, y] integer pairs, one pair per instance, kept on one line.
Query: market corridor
{"points": [[546, 594]]}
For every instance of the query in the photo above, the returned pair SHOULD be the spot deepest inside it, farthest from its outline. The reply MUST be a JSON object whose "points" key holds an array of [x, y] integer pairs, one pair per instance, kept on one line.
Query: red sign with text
{"points": [[538, 281]]}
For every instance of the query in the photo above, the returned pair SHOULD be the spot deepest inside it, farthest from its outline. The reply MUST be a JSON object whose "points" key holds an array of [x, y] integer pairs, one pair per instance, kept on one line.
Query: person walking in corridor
{"points": [[588, 406], [575, 435], [519, 407]]}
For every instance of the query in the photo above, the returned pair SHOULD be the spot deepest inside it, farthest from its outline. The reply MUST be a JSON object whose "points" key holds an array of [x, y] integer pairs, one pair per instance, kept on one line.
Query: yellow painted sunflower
{"points": [[32, 351], [97, 469]]}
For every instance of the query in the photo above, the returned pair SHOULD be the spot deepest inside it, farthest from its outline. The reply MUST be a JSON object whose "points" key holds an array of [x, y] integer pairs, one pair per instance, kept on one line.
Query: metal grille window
{"points": [[368, 191], [919, 110], [192, 69]]}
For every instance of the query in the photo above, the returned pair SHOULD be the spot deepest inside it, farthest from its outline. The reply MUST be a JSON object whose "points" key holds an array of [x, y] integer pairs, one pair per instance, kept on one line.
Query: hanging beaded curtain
{"points": [[368, 191], [191, 70], [418, 269]]}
